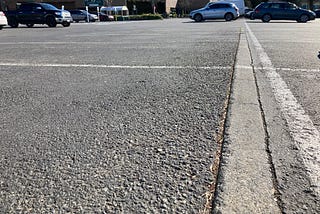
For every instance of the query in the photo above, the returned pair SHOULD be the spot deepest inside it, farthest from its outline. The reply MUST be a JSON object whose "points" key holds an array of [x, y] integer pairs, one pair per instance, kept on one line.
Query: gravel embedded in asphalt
{"points": [[112, 139]]}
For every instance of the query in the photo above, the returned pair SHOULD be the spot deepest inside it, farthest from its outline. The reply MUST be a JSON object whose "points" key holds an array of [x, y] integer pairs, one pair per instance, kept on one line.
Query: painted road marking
{"points": [[302, 129], [116, 66], [154, 67]]}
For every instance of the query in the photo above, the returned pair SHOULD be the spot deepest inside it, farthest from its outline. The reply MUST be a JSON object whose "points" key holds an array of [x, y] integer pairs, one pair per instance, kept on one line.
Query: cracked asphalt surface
{"points": [[112, 140]]}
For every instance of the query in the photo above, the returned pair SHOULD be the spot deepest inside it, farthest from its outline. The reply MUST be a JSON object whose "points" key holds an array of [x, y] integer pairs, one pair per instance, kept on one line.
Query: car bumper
{"points": [[65, 19], [3, 22]]}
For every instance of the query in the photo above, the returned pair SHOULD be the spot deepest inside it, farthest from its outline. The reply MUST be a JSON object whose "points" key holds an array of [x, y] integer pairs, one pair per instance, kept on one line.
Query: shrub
{"points": [[145, 17]]}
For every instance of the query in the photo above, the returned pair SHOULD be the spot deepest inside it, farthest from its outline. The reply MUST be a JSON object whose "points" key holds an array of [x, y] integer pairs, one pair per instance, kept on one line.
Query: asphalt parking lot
{"points": [[112, 117], [123, 117]]}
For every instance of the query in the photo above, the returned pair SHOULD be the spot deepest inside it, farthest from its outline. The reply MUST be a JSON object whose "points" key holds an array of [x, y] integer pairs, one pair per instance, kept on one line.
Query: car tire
{"points": [[266, 18], [51, 21], [1, 27], [30, 25], [228, 17], [13, 22], [251, 16], [198, 17], [65, 24], [303, 18]]}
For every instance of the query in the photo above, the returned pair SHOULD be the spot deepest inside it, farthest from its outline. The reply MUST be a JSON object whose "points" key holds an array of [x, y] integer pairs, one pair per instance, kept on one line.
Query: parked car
{"points": [[216, 10], [38, 13], [105, 17], [3, 20], [267, 11], [249, 15], [83, 15], [247, 9], [317, 12]]}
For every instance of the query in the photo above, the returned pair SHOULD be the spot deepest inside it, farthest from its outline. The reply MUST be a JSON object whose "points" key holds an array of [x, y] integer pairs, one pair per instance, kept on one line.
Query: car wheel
{"points": [[51, 21], [266, 18], [228, 17], [198, 17], [251, 16], [13, 23], [30, 25], [303, 18], [1, 27], [65, 24]]}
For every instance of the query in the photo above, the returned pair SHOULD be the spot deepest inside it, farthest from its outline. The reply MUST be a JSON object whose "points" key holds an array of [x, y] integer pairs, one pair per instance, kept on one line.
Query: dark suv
{"points": [[38, 13], [282, 11]]}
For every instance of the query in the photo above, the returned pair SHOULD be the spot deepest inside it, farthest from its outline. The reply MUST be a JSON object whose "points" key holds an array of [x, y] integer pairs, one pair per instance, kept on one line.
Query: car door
{"points": [[211, 11], [290, 11], [75, 15], [25, 13], [276, 10], [223, 9], [83, 15], [38, 14]]}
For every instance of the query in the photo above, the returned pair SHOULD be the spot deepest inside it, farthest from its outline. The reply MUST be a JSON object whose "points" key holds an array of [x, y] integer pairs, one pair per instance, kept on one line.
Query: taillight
{"points": [[256, 11]]}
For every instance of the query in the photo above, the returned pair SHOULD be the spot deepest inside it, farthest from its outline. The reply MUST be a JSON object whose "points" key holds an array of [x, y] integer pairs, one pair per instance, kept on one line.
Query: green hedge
{"points": [[145, 17]]}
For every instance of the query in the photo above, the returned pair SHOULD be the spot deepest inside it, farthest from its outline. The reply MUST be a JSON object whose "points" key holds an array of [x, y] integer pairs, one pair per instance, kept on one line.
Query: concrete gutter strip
{"points": [[245, 183]]}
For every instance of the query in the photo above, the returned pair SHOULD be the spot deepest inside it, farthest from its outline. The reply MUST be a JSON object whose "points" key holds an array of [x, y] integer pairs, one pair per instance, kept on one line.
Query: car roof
{"points": [[220, 2]]}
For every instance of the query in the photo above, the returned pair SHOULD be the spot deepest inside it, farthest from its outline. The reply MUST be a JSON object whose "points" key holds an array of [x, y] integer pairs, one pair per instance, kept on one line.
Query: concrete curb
{"points": [[245, 183]]}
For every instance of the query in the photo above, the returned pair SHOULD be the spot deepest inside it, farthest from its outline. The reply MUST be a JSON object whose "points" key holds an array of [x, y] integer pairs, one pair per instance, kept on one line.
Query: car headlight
{"points": [[66, 14], [57, 13]]}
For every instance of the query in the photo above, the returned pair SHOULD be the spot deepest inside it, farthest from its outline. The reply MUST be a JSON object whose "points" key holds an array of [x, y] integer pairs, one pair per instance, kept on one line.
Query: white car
{"points": [[216, 10], [3, 20]]}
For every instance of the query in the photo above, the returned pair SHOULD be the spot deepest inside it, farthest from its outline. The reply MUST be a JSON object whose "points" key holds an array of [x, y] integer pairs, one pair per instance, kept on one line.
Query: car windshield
{"points": [[291, 6], [84, 11], [208, 5], [49, 7]]}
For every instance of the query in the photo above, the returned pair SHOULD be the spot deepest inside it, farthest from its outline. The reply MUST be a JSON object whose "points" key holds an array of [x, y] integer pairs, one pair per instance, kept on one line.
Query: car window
{"points": [[263, 5], [36, 7], [290, 6], [225, 6], [26, 7], [48, 6], [214, 6], [275, 6]]}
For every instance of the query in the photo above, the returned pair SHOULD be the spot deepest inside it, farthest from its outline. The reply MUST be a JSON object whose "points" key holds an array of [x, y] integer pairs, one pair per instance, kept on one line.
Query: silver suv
{"points": [[216, 10]]}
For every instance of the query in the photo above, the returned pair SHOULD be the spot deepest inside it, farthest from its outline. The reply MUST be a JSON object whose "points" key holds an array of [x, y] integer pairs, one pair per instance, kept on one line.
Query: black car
{"points": [[282, 11], [38, 13], [317, 12]]}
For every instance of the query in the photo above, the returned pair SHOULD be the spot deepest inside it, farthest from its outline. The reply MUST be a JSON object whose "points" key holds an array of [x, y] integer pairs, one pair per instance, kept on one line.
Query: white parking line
{"points": [[151, 67], [307, 70], [117, 66], [302, 129]]}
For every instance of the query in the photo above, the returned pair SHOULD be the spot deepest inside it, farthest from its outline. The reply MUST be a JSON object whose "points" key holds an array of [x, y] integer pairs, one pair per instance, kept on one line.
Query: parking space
{"points": [[112, 117], [287, 66], [123, 116]]}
